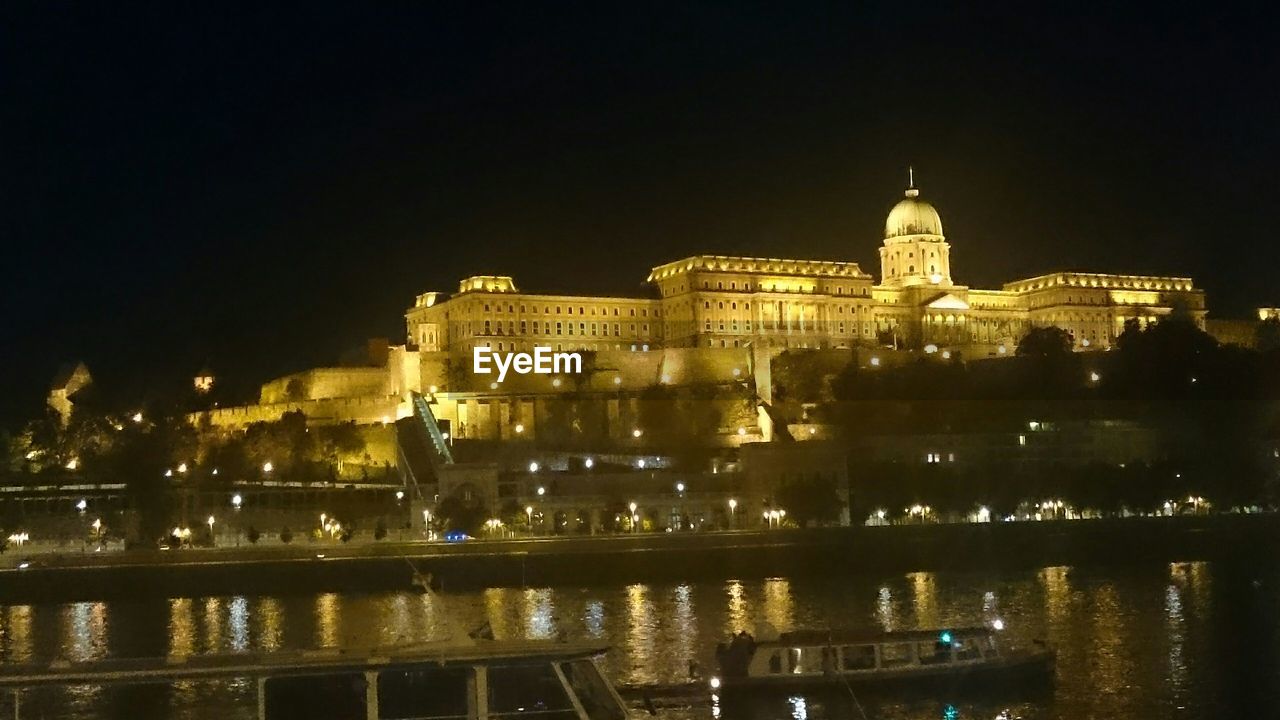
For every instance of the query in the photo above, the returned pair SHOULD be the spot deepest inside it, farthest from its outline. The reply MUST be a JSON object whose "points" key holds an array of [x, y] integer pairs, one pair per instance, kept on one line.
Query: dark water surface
{"points": [[1189, 640]]}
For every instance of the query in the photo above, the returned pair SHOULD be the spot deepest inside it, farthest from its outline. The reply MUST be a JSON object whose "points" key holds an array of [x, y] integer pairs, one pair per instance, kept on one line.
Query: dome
{"points": [[912, 216]]}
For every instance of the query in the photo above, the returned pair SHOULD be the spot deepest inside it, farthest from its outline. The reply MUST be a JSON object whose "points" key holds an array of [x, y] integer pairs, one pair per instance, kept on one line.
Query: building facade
{"points": [[714, 301]]}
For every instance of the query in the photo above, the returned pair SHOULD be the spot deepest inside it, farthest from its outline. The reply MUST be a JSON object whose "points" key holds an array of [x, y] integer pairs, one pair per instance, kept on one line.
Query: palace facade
{"points": [[716, 301]]}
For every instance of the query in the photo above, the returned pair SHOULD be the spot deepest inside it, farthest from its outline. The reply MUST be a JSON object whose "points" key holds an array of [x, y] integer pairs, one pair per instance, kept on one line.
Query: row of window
{"points": [[582, 310], [595, 329]]}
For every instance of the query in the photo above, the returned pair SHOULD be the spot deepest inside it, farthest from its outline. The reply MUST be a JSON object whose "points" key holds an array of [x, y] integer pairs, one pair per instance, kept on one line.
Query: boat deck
{"points": [[194, 667]]}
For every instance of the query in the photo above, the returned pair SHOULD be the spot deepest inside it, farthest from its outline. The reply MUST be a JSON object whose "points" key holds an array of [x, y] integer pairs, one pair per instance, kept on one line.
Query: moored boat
{"points": [[948, 660], [550, 680]]}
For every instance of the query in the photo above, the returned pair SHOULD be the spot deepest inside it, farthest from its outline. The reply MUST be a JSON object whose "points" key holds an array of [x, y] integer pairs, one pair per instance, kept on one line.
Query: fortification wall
{"points": [[360, 410], [327, 383]]}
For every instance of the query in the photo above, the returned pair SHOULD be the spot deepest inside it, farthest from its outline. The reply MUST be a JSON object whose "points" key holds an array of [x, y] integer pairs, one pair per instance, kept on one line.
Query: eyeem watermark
{"points": [[542, 361]]}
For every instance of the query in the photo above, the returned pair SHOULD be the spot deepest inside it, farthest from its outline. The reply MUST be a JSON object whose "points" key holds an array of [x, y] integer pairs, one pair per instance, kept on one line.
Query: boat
{"points": [[547, 679], [949, 660]]}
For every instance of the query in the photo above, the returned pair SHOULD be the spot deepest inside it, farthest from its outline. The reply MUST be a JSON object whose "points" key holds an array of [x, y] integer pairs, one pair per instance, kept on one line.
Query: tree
{"points": [[456, 514], [1268, 335], [140, 457], [1045, 342], [253, 535], [286, 535], [808, 500], [334, 443], [380, 529]]}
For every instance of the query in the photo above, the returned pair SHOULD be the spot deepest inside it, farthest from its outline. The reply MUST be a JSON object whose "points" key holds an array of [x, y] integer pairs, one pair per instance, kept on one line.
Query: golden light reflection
{"points": [[683, 622], [213, 624], [182, 633], [327, 620], [1175, 631], [399, 627], [1113, 665], [737, 619], [924, 599], [270, 622], [17, 634], [1057, 594], [641, 625], [777, 604], [495, 608]]}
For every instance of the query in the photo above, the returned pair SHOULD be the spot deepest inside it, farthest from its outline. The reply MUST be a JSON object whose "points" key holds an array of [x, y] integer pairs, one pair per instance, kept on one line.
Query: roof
{"points": [[807, 637], [174, 667]]}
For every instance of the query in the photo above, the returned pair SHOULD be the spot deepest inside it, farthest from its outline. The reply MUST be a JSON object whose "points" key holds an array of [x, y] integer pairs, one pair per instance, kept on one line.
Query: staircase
{"points": [[421, 449]]}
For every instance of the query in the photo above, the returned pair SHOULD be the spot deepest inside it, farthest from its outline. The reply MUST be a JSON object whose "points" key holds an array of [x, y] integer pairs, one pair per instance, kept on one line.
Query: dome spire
{"points": [[912, 191]]}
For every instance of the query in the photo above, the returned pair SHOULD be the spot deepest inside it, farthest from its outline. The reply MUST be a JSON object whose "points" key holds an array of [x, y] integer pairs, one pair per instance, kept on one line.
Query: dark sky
{"points": [[261, 187]]}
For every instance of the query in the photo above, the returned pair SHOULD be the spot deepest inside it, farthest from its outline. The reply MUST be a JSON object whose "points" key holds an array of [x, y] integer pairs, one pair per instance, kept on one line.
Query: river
{"points": [[1186, 640]]}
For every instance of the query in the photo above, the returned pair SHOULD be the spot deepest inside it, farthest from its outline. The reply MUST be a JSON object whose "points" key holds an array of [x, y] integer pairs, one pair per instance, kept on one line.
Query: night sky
{"points": [[259, 189]]}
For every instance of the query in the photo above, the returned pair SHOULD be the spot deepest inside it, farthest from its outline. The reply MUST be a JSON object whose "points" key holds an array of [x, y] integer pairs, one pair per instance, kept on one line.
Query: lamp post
{"points": [[733, 510], [211, 520], [634, 516], [528, 511]]}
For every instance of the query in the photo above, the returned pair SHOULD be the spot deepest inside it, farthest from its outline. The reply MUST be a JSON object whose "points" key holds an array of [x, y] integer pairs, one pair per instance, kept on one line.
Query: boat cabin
{"points": [[819, 654]]}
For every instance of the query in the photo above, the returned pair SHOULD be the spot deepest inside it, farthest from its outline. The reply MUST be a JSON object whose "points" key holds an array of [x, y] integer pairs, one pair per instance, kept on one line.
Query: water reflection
{"points": [[86, 628], [16, 636], [182, 635], [327, 609], [924, 599], [593, 618], [640, 635], [1132, 643], [736, 619], [884, 609], [239, 623], [213, 623], [683, 623], [269, 620], [539, 618], [777, 604]]}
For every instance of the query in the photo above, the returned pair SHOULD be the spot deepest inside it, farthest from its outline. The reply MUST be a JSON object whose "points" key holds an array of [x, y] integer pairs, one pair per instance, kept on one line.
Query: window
{"points": [[895, 654], [934, 653], [311, 696], [528, 690], [859, 657], [969, 648], [423, 692]]}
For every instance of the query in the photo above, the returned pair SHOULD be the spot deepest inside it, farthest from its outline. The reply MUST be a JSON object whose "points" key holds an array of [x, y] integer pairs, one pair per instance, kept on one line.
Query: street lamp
{"points": [[528, 510], [733, 509], [268, 467], [236, 501], [634, 516], [533, 467], [541, 491], [210, 521], [680, 487], [588, 463]]}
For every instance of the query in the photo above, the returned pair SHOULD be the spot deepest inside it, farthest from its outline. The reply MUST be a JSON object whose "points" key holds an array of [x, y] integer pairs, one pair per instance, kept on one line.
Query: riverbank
{"points": [[627, 558]]}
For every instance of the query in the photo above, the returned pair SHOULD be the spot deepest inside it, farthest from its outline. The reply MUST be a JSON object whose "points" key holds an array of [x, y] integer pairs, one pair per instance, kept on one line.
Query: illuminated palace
{"points": [[712, 319], [714, 301]]}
